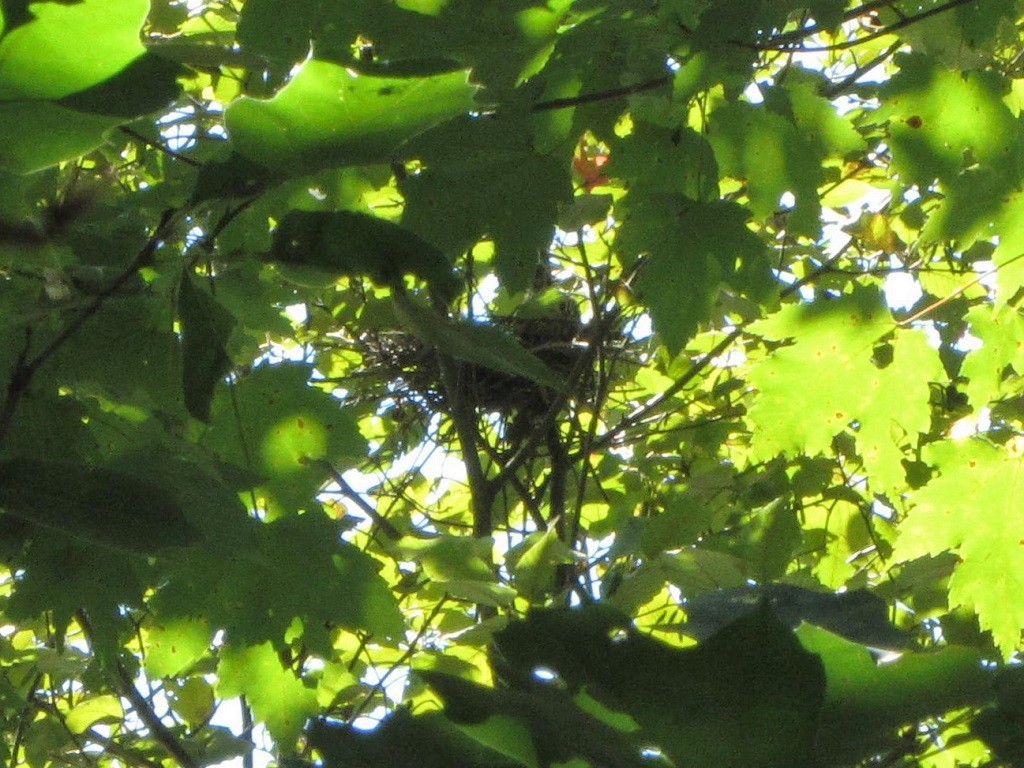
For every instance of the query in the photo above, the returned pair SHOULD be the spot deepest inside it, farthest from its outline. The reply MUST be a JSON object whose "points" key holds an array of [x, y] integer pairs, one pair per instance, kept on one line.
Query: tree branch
{"points": [[589, 98], [773, 45], [652, 405], [25, 369], [350, 493], [141, 707]]}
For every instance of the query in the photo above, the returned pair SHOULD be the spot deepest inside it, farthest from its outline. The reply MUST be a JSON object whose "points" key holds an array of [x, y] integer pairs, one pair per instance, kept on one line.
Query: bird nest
{"points": [[412, 370]]}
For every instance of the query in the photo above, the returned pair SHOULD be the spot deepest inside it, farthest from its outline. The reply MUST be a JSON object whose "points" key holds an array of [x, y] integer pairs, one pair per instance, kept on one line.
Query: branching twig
{"points": [[25, 369], [350, 493], [159, 145], [773, 45], [652, 405], [589, 98], [123, 682], [381, 683]]}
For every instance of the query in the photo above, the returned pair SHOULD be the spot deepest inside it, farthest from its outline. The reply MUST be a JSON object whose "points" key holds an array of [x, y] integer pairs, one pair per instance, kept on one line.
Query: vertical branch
{"points": [[124, 684], [463, 414]]}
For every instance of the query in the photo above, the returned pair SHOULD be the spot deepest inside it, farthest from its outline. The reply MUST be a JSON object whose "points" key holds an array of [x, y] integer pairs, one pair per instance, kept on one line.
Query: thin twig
{"points": [[643, 411], [894, 27], [803, 33], [25, 369], [836, 89], [953, 294], [141, 707], [161, 146], [589, 98], [350, 493], [413, 646]]}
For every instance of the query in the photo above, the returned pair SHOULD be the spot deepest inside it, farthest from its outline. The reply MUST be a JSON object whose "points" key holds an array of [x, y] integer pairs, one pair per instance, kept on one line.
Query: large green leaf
{"points": [[343, 243], [277, 697], [548, 721], [934, 115], [972, 509], [268, 580], [418, 32], [866, 702], [748, 696], [835, 348], [328, 115], [205, 328], [404, 741], [93, 505], [483, 176], [69, 73], [692, 249], [273, 423]]}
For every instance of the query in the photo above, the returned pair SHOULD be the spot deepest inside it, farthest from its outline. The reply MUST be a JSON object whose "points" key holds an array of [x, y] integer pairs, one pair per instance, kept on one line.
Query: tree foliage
{"points": [[511, 383]]}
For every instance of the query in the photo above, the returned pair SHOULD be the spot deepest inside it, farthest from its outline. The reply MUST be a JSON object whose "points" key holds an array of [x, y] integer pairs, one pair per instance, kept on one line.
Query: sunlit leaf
{"points": [[276, 425], [328, 115], [971, 508], [276, 696]]}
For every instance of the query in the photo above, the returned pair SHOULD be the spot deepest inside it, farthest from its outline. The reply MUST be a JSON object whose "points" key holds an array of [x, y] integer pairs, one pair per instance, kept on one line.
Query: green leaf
{"points": [[748, 696], [484, 177], [692, 249], [535, 562], [328, 115], [971, 508], [278, 699], [175, 644], [205, 329], [404, 741], [69, 73], [865, 701], [986, 368], [835, 349], [784, 162], [857, 615], [558, 729], [93, 505], [477, 343], [276, 425], [458, 30], [256, 584], [343, 243], [934, 114]]}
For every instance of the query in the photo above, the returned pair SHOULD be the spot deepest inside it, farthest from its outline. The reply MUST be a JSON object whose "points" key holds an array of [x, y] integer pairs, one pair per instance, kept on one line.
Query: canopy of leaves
{"points": [[511, 383]]}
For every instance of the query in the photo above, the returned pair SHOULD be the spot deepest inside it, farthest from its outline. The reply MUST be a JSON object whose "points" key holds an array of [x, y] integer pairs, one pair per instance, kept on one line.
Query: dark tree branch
{"points": [[350, 493], [25, 369], [773, 45], [803, 33], [589, 98]]}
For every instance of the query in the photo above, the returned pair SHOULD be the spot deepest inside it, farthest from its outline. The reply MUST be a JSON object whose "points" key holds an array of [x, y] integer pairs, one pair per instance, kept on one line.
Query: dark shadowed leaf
{"points": [[344, 243], [748, 696], [93, 505], [205, 328], [484, 345], [404, 741]]}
